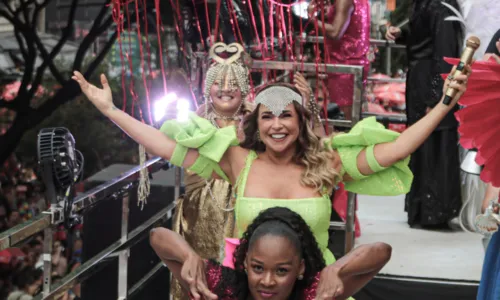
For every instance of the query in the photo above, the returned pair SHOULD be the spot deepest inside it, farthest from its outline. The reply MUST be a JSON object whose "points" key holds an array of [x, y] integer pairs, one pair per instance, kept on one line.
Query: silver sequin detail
{"points": [[277, 98]]}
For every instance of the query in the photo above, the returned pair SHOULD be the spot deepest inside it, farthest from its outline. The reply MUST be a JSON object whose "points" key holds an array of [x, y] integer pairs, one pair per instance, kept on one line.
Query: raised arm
{"points": [[304, 87], [184, 263], [343, 12], [151, 138], [349, 274], [387, 154], [155, 141], [494, 45], [398, 16]]}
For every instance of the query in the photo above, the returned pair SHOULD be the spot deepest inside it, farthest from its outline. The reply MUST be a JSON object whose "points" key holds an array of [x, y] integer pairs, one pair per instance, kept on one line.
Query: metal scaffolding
{"points": [[120, 187], [357, 71], [117, 189]]}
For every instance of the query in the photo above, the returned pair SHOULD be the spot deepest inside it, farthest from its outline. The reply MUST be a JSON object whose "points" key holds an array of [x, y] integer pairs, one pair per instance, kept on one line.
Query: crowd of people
{"points": [[21, 267]]}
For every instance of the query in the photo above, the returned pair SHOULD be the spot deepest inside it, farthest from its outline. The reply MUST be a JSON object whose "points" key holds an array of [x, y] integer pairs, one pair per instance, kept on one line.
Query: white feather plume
{"points": [[458, 15], [480, 18]]}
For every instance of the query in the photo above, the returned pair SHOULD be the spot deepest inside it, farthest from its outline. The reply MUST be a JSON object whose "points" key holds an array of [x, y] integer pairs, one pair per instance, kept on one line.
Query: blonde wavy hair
{"points": [[310, 152]]}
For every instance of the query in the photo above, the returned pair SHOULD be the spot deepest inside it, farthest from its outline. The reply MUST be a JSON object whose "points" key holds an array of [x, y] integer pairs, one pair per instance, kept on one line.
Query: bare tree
{"points": [[24, 16]]}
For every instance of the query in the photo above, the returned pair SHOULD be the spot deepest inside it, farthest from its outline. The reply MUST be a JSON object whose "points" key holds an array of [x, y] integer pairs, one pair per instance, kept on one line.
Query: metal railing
{"points": [[375, 42], [200, 60], [394, 80], [117, 189], [389, 45], [357, 71], [348, 225]]}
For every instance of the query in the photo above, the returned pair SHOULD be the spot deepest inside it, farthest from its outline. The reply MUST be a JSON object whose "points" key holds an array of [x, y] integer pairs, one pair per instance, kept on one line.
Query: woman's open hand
{"points": [[303, 86], [491, 57], [459, 83], [193, 272], [100, 97]]}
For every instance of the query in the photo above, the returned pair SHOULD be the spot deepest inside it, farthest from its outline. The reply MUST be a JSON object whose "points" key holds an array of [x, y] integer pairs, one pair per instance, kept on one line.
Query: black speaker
{"points": [[102, 227]]}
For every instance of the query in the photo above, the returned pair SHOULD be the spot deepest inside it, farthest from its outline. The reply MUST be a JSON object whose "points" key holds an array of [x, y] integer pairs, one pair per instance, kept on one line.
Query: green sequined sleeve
{"points": [[391, 181], [198, 133]]}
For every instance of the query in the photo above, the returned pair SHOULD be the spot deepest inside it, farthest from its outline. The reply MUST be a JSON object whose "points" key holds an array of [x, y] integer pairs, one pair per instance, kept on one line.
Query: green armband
{"points": [[372, 161], [349, 158], [179, 155]]}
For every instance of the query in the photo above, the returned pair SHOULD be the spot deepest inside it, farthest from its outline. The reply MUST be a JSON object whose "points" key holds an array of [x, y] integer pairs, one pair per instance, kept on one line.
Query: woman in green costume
{"points": [[204, 214], [281, 161]]}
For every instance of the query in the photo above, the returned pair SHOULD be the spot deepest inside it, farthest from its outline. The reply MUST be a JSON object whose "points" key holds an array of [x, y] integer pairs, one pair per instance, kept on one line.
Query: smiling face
{"points": [[273, 265], [225, 100], [279, 133]]}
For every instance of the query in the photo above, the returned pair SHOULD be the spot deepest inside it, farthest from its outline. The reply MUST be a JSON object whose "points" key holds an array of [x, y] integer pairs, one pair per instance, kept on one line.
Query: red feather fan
{"points": [[480, 118]]}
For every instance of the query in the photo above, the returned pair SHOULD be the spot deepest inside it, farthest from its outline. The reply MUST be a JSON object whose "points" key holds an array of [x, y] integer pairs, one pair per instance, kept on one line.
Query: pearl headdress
{"points": [[277, 98], [231, 72]]}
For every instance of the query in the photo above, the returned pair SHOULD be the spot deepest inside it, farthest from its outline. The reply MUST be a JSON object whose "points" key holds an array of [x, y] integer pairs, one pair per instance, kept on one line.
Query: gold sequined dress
{"points": [[204, 215], [203, 223]]}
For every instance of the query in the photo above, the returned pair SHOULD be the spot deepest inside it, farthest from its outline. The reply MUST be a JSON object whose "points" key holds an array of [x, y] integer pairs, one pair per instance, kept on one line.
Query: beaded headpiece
{"points": [[277, 98], [230, 72]]}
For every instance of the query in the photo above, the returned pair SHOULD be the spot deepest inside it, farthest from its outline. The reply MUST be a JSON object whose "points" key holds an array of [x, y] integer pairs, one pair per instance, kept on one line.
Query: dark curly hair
{"points": [[277, 221]]}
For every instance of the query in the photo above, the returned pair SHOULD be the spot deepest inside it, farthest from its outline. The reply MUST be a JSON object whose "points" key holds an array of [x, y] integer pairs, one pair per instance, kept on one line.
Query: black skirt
{"points": [[435, 195]]}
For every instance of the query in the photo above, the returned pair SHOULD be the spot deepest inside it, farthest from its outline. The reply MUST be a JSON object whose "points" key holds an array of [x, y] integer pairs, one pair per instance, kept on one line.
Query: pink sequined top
{"points": [[214, 276], [351, 49], [353, 46]]}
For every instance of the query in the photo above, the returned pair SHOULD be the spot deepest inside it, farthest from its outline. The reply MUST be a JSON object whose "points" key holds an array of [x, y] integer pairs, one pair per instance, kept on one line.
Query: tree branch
{"points": [[8, 104], [6, 15], [29, 67], [29, 54], [97, 61], [27, 117], [105, 25], [48, 59], [91, 36], [20, 41], [71, 88], [38, 8], [25, 10], [7, 5]]}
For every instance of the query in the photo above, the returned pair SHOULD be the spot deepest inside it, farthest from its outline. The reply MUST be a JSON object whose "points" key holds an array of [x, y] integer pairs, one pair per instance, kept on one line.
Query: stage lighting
{"points": [[160, 106], [300, 9], [183, 109]]}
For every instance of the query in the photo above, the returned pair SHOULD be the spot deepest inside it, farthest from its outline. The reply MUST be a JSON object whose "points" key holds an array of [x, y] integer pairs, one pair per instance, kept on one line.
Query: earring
{"points": [[246, 271], [258, 135], [300, 277]]}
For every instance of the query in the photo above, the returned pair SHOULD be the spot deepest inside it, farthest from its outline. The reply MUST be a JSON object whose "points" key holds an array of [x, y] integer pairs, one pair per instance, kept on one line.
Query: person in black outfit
{"points": [[435, 195], [494, 45]]}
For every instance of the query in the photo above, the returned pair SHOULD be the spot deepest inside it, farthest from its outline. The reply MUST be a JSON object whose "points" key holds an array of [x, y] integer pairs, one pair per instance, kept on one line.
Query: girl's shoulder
{"points": [[310, 291]]}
